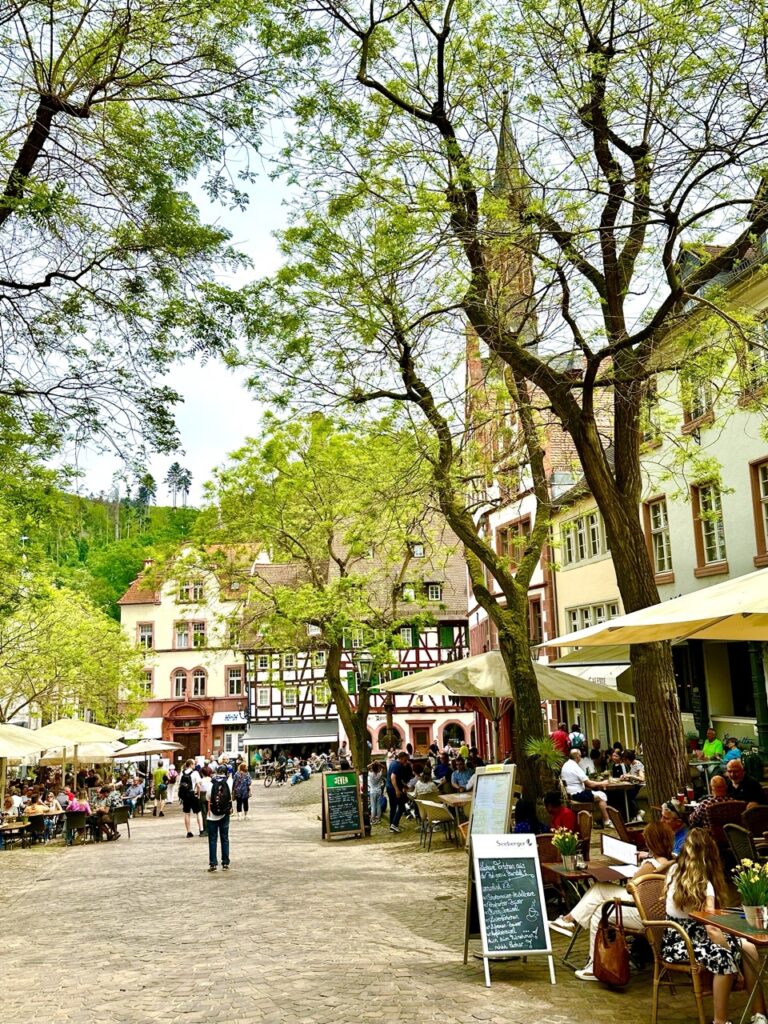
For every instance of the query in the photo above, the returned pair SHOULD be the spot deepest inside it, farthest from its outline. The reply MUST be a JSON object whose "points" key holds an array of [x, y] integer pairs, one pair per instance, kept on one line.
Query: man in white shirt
{"points": [[581, 788]]}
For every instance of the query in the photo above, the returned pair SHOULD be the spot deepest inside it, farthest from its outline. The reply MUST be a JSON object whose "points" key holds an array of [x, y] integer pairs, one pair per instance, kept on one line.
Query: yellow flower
{"points": [[747, 863]]}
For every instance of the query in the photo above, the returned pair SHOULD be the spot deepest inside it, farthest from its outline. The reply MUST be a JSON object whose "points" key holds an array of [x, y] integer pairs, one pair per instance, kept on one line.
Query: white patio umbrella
{"points": [[14, 742], [72, 733], [91, 752], [736, 609], [145, 748], [483, 679]]}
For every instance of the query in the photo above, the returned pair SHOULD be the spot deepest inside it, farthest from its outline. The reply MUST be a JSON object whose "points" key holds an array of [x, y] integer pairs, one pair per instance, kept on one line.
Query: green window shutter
{"points": [[375, 683], [351, 683], [446, 637], [395, 674], [414, 636]]}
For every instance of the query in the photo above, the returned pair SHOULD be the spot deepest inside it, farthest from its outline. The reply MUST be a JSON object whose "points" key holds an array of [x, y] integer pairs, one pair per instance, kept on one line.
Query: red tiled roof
{"points": [[137, 593]]}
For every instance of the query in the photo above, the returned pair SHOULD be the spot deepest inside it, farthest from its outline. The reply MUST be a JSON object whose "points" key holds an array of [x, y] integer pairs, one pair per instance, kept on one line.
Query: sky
{"points": [[217, 412]]}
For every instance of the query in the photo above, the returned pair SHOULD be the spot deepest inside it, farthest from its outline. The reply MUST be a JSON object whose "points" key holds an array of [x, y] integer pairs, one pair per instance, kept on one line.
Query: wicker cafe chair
{"points": [[634, 836], [742, 845], [584, 822], [728, 813], [648, 894]]}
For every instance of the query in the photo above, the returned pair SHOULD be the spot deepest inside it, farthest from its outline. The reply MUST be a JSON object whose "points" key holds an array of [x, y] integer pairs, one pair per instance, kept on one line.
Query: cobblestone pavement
{"points": [[297, 932]]}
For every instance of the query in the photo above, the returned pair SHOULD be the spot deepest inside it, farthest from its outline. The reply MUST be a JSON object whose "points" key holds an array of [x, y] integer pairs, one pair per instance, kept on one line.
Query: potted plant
{"points": [[567, 845], [751, 881]]}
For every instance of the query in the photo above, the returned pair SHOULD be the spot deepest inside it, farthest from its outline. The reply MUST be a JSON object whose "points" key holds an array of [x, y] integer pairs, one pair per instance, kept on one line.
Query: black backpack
{"points": [[221, 798], [185, 784]]}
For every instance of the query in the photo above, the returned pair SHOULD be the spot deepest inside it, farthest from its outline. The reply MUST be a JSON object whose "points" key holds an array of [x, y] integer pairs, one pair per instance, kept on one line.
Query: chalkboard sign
{"points": [[510, 896], [492, 799], [342, 806]]}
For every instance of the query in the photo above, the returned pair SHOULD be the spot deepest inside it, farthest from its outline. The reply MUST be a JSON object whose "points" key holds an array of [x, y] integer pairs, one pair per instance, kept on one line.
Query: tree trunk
{"points": [[354, 718], [515, 651]]}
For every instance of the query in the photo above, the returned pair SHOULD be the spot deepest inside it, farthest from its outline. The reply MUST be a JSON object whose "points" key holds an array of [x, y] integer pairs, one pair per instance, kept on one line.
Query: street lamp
{"points": [[363, 662]]}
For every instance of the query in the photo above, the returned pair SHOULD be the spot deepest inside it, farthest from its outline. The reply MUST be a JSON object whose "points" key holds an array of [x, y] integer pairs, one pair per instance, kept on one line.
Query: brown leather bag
{"points": [[610, 963]]}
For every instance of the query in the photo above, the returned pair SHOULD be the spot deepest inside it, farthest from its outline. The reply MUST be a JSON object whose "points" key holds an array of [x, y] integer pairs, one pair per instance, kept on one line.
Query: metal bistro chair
{"points": [[433, 814], [584, 823], [76, 822], [742, 844], [36, 830], [121, 816], [648, 894], [756, 820]]}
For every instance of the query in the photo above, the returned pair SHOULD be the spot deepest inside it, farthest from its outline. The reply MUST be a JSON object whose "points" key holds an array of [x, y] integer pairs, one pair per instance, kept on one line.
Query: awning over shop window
{"points": [[263, 734]]}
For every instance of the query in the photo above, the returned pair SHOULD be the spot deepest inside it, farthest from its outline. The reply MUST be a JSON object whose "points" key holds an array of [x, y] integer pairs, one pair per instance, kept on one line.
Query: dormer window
{"points": [[417, 550], [409, 592], [192, 590], [434, 592]]}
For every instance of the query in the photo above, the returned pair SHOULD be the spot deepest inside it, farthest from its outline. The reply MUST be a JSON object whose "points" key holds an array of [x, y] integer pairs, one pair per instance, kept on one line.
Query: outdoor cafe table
{"points": [[12, 827], [707, 765], [614, 785], [578, 880], [734, 923], [455, 802]]}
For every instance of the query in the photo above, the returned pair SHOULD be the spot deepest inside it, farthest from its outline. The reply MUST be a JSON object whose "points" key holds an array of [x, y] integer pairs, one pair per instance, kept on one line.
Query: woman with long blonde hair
{"points": [[696, 882]]}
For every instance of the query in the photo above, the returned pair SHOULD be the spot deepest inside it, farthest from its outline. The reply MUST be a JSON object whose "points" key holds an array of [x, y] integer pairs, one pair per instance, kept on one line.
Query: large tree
{"points": [[339, 503], [107, 272], [642, 133]]}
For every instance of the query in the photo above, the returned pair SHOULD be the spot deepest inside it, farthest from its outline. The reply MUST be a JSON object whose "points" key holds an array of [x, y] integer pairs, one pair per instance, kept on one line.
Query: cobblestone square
{"points": [[298, 932]]}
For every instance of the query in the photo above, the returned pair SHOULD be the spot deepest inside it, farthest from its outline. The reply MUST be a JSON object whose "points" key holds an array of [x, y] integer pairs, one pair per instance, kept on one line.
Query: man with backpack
{"points": [[219, 810], [189, 783]]}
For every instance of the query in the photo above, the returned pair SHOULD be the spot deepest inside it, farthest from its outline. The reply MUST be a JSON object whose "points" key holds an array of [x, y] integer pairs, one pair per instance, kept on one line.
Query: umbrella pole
{"points": [[3, 775], [757, 652]]}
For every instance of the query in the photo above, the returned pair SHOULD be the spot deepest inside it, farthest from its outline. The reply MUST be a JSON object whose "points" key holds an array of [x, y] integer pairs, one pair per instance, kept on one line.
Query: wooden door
{"points": [[420, 739], [190, 745]]}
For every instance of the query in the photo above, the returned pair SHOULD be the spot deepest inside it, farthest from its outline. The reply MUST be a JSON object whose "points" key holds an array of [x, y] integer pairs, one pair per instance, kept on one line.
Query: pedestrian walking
{"points": [[189, 784], [219, 811], [241, 787], [173, 778], [160, 789], [204, 794]]}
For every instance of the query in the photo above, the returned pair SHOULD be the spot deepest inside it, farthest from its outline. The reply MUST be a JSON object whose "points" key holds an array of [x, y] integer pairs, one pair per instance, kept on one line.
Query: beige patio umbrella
{"points": [[15, 742], [145, 748], [72, 733], [736, 609], [484, 679]]}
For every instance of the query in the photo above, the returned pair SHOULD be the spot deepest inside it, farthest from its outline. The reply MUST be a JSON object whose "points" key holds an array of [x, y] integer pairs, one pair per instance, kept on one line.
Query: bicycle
{"points": [[274, 773]]}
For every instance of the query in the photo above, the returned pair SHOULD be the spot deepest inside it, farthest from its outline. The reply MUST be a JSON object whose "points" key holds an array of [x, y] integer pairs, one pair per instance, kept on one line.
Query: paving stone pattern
{"points": [[297, 932]]}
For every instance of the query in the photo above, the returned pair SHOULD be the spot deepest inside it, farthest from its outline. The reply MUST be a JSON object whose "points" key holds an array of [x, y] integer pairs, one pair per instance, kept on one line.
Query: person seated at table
{"points": [[583, 789], [718, 788], [133, 793], [635, 772], [526, 820], [51, 805], [108, 800], [587, 764], [617, 767], [741, 786], [559, 816], [658, 838], [673, 814], [92, 780], [462, 775], [695, 883], [35, 806], [442, 768], [78, 803], [475, 759], [424, 785], [12, 805], [712, 748], [732, 752]]}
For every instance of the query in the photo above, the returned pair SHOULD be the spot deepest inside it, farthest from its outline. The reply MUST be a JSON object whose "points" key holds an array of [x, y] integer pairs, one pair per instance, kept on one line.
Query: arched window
{"points": [[198, 682], [454, 734], [179, 683]]}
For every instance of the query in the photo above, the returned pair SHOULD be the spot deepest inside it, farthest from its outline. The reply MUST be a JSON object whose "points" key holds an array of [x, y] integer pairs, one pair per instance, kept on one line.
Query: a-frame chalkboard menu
{"points": [[342, 805], [510, 899]]}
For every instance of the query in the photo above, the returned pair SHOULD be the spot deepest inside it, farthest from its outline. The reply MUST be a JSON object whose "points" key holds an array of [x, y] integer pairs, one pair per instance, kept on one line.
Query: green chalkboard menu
{"points": [[510, 897], [342, 806]]}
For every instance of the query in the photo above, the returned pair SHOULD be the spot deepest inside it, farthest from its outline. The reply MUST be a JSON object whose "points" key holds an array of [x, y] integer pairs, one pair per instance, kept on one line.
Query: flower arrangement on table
{"points": [[566, 842], [751, 881]]}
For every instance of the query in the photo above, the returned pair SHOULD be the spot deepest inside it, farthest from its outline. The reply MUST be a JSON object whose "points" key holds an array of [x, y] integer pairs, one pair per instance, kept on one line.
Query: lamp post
{"points": [[363, 662]]}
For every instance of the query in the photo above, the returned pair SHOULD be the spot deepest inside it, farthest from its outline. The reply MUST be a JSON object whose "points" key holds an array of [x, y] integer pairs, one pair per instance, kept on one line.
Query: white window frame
{"points": [[289, 662], [181, 636], [238, 690], [263, 696], [238, 735], [357, 639], [408, 593], [199, 630], [322, 694], [712, 524], [660, 539], [318, 659], [417, 550], [179, 684], [192, 590], [290, 696], [313, 629], [263, 662], [199, 682], [147, 643], [147, 681], [434, 592], [406, 635]]}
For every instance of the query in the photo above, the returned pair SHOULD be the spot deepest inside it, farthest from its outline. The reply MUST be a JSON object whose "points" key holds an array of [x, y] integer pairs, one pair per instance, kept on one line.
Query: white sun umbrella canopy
{"points": [[15, 742], [96, 753], [485, 675], [145, 748], [736, 609], [72, 733]]}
